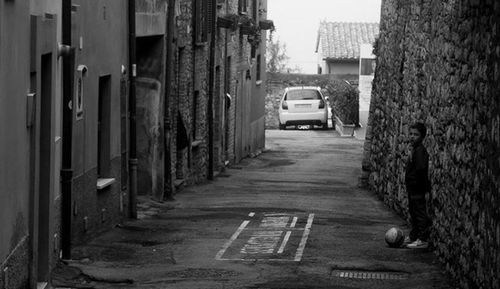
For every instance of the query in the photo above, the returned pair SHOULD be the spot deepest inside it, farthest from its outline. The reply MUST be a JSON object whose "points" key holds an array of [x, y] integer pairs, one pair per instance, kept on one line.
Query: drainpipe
{"points": [[132, 112], [68, 54], [211, 84], [227, 90], [169, 187]]}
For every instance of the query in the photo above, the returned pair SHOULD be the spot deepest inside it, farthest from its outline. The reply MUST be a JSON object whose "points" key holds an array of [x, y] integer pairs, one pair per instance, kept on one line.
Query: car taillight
{"points": [[284, 105], [321, 103]]}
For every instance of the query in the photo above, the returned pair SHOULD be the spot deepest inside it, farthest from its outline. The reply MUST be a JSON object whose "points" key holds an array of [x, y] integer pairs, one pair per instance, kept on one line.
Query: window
{"points": [[258, 68], [242, 6], [255, 10], [124, 132], [200, 21], [104, 127], [303, 94], [227, 76], [367, 66], [195, 112]]}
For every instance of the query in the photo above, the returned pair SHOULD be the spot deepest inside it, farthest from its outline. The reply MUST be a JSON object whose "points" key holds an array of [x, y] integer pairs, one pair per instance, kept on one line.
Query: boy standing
{"points": [[417, 186]]}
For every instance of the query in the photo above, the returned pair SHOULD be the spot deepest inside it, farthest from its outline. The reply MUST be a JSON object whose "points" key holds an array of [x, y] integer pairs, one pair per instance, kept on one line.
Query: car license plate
{"points": [[302, 105]]}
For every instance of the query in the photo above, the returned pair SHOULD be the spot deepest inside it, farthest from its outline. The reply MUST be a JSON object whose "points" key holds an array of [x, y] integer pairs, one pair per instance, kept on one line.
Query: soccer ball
{"points": [[394, 237]]}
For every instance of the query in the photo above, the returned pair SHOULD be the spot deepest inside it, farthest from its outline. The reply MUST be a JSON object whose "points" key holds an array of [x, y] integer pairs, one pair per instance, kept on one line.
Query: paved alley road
{"points": [[292, 217]]}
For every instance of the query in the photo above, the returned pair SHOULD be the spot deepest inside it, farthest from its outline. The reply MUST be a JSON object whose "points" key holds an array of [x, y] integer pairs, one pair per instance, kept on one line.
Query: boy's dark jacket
{"points": [[417, 168]]}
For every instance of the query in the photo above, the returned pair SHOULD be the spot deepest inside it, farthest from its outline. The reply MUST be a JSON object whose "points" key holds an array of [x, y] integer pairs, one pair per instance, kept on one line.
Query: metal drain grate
{"points": [[370, 275]]}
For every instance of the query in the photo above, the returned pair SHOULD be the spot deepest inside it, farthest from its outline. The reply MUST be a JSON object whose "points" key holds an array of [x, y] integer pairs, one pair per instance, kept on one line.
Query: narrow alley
{"points": [[291, 217], [150, 143]]}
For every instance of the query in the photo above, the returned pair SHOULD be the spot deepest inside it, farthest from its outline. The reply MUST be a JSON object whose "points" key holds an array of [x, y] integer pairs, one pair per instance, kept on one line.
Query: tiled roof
{"points": [[341, 40]]}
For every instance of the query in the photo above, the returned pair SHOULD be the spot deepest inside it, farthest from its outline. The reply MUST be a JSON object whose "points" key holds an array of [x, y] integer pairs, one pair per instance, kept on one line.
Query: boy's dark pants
{"points": [[420, 221]]}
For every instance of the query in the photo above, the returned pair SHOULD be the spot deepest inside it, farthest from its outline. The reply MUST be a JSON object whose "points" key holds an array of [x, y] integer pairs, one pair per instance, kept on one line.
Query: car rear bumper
{"points": [[314, 118]]}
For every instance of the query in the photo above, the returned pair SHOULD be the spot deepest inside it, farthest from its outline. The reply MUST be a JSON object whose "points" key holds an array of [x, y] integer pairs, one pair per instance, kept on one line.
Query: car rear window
{"points": [[302, 94]]}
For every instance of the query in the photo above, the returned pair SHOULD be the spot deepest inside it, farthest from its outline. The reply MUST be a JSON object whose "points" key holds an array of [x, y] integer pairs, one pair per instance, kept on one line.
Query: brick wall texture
{"points": [[439, 63], [190, 125]]}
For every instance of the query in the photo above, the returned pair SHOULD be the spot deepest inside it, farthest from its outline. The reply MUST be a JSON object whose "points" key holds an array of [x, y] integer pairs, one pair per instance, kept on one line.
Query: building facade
{"points": [[15, 144], [102, 101], [199, 90], [99, 34], [338, 47], [30, 146]]}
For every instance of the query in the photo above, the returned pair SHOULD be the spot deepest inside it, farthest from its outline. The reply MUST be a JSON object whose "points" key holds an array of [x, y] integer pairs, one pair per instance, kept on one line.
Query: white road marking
{"points": [[262, 242], [302, 245], [274, 214], [274, 222], [266, 237], [287, 236], [231, 240], [285, 240]]}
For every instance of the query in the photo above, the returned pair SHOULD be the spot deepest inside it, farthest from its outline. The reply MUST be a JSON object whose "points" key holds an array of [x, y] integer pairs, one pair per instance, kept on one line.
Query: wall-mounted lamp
{"points": [[63, 50], [82, 71]]}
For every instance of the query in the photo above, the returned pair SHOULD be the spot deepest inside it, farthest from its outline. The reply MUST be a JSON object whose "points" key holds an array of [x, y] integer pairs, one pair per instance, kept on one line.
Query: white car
{"points": [[303, 105]]}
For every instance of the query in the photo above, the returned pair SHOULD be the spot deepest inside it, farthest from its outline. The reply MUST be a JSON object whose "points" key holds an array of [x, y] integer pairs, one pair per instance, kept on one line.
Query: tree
{"points": [[276, 57], [296, 69]]}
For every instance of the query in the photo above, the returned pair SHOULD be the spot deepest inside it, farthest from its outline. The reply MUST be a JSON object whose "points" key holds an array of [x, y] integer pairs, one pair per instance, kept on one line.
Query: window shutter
{"points": [[210, 13], [200, 19], [255, 10], [242, 6]]}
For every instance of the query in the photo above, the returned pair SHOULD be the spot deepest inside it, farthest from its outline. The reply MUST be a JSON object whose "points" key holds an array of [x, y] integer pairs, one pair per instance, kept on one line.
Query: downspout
{"points": [[132, 112], [169, 187], [211, 84], [68, 54], [227, 90]]}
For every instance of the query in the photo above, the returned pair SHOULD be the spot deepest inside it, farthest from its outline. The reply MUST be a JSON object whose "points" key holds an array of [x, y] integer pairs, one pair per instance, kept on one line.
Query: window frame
{"points": [[200, 22], [242, 7], [258, 67], [104, 127]]}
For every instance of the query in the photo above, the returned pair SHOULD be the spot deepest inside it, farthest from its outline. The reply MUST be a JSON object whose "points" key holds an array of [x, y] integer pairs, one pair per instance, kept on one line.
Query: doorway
{"points": [[242, 96], [44, 169], [104, 127], [42, 115]]}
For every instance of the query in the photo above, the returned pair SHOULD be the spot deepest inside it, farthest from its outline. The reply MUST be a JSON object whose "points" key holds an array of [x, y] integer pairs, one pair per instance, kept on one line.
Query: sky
{"points": [[297, 23]]}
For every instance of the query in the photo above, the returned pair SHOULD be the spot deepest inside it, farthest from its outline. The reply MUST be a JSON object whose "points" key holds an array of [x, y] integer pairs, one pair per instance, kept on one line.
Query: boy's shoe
{"points": [[406, 241], [418, 244]]}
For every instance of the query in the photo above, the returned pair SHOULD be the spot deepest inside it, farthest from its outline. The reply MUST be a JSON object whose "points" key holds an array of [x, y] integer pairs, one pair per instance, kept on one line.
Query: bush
{"points": [[344, 100]]}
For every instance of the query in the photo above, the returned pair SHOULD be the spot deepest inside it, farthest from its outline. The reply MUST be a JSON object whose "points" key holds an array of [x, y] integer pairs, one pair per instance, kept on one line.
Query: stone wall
{"points": [[95, 211], [438, 62], [189, 101]]}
